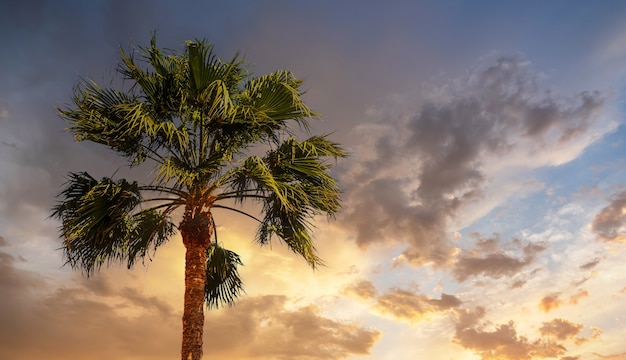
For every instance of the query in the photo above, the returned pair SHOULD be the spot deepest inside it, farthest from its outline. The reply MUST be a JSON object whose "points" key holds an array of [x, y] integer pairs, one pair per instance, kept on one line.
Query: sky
{"points": [[484, 198]]}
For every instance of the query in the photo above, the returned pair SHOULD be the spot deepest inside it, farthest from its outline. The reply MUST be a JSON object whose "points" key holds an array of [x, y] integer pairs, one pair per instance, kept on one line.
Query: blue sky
{"points": [[484, 198]]}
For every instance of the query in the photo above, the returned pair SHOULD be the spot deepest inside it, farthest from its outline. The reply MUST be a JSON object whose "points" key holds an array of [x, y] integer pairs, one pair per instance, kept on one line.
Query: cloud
{"points": [[553, 301], [488, 258], [266, 327], [595, 332], [621, 356], [361, 289], [502, 341], [409, 306], [591, 264], [420, 164], [610, 223], [14, 280], [550, 302], [401, 304], [573, 300], [523, 278], [560, 329]]}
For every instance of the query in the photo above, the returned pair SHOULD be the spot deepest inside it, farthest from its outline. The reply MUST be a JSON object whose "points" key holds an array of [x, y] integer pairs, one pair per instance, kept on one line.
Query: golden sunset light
{"points": [[463, 179]]}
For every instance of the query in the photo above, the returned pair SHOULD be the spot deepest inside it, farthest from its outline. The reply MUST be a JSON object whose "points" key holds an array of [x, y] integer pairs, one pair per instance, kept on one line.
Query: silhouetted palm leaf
{"points": [[223, 284]]}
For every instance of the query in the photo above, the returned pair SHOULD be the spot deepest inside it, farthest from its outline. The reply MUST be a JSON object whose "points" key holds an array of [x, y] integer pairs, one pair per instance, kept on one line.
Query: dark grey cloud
{"points": [[610, 223], [422, 165], [383, 213], [490, 259], [12, 279]]}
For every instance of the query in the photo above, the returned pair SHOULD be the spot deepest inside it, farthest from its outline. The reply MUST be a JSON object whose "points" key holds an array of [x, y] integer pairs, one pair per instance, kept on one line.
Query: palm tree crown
{"points": [[196, 118]]}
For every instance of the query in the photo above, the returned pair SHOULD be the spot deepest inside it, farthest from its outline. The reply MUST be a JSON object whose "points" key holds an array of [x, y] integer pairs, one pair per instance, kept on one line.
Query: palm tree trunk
{"points": [[196, 233]]}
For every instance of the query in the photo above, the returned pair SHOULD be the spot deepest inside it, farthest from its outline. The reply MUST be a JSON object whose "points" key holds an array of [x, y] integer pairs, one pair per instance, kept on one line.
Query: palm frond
{"points": [[98, 116], [292, 227], [271, 99], [185, 174], [223, 283], [303, 161], [213, 83], [254, 176], [101, 223], [293, 183], [159, 88]]}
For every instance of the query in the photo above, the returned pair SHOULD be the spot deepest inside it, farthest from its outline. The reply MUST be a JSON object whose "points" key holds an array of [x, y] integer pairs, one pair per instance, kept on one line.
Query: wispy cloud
{"points": [[610, 223], [401, 304], [488, 258], [409, 306]]}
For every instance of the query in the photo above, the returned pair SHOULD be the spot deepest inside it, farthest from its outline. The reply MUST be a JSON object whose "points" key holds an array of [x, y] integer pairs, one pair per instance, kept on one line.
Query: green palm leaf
{"points": [[223, 283], [101, 222], [293, 184]]}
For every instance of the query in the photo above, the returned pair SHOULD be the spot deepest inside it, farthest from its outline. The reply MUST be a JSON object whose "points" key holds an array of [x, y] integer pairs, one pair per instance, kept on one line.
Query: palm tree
{"points": [[196, 118]]}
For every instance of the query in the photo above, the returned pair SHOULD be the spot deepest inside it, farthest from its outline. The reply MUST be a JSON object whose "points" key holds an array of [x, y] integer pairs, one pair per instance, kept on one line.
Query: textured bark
{"points": [[196, 233]]}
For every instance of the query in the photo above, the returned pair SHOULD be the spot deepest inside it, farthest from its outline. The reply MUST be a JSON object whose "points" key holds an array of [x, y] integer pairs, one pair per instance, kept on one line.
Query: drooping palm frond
{"points": [[102, 222], [223, 283], [293, 184], [292, 227]]}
